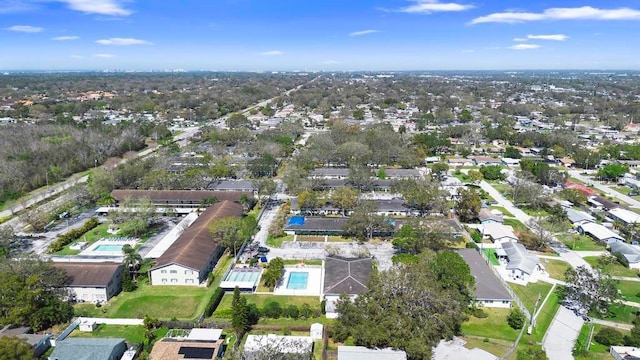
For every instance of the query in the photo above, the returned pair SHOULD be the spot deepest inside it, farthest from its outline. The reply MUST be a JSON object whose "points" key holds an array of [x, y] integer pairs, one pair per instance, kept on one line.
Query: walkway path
{"points": [[606, 189], [612, 324]]}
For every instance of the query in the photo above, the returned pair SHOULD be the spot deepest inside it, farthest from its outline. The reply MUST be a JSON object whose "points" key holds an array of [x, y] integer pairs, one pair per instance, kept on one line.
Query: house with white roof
{"points": [[520, 263], [624, 216], [625, 352], [631, 253], [599, 232], [499, 233], [263, 346], [578, 217]]}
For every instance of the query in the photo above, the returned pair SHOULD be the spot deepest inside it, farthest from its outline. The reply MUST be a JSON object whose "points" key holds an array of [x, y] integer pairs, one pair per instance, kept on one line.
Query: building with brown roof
{"points": [[344, 276], [191, 257], [92, 282], [180, 198]]}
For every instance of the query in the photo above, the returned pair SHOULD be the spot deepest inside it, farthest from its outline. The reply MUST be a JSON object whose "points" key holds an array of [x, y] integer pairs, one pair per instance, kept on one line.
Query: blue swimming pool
{"points": [[296, 220], [110, 248], [297, 280]]}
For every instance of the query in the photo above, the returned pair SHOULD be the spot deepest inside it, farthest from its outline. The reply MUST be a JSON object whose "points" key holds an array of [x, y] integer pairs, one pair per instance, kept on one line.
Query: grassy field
{"points": [[261, 299], [495, 346], [494, 326], [491, 254], [543, 321], [620, 313], [580, 242], [596, 350], [133, 334], [277, 242], [555, 268], [529, 294], [630, 290], [220, 269], [306, 262], [311, 238], [516, 224], [504, 211], [615, 269]]}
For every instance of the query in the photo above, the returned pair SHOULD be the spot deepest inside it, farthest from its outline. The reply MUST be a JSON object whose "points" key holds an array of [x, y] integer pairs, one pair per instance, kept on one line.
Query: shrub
{"points": [[479, 313], [471, 245], [71, 235], [214, 302], [286, 331], [609, 336], [272, 310], [292, 311], [306, 311], [476, 236], [516, 318]]}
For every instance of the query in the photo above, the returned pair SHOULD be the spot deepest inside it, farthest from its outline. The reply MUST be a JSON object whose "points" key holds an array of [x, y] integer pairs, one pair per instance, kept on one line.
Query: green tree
{"points": [[240, 314], [531, 353], [273, 273], [492, 172], [345, 199], [612, 171], [14, 348], [231, 231], [469, 205], [423, 195], [360, 177], [512, 153], [308, 201], [358, 114], [593, 290], [439, 170], [475, 176], [516, 318], [237, 120], [364, 222], [131, 260]]}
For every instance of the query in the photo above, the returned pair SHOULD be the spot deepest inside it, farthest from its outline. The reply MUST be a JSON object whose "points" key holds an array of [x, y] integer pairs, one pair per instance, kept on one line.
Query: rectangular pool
{"points": [[296, 221], [110, 248], [297, 280]]}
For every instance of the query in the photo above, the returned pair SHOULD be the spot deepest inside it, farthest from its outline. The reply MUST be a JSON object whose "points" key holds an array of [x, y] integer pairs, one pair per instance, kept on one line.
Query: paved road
{"points": [[612, 324], [561, 335], [607, 190]]}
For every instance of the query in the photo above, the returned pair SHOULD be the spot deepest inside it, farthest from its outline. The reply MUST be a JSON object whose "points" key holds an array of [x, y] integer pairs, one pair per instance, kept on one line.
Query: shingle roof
{"points": [[488, 287], [87, 349], [499, 231], [89, 274], [578, 216], [232, 185], [624, 215], [349, 276], [486, 214], [630, 252], [164, 196], [599, 232], [519, 257], [169, 349], [195, 246]]}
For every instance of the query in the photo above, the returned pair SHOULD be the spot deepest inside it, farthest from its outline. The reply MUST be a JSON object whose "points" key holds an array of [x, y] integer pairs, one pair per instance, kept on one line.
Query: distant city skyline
{"points": [[329, 35]]}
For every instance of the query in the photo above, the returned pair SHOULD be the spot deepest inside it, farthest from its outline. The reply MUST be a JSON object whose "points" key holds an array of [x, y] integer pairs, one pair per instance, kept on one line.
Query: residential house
{"points": [[459, 162], [344, 276], [199, 344], [599, 232], [258, 347], [361, 352], [75, 348], [179, 198], [624, 216], [520, 263], [625, 352], [578, 217], [631, 253], [92, 282], [39, 343], [499, 233], [487, 216], [232, 185], [399, 174], [489, 290], [510, 162], [630, 180], [329, 173], [485, 160], [191, 257]]}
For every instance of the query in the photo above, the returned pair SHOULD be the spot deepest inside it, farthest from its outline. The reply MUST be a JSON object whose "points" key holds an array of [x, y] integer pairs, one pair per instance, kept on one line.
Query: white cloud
{"points": [[363, 32], [431, 6], [102, 7], [104, 56], [554, 37], [272, 53], [65, 38], [123, 42], [524, 46], [520, 39], [578, 13], [24, 28]]}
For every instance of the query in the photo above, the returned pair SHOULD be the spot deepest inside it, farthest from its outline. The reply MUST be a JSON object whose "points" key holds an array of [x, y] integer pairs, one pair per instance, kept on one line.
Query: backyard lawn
{"points": [[580, 242], [491, 254], [504, 211], [495, 346], [517, 225], [630, 290], [615, 269], [529, 294], [619, 313], [261, 299], [277, 242], [132, 333], [596, 350], [493, 327], [555, 268]]}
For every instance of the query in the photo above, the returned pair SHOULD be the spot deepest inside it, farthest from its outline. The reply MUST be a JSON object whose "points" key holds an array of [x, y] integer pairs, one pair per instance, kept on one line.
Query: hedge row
{"points": [[214, 302], [70, 236]]}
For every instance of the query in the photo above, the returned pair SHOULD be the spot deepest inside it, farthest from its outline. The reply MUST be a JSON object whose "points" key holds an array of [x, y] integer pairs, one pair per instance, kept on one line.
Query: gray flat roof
{"points": [[488, 287]]}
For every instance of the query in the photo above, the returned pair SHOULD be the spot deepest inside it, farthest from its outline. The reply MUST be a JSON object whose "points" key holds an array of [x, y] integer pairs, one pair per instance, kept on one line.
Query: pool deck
{"points": [[91, 250], [314, 281]]}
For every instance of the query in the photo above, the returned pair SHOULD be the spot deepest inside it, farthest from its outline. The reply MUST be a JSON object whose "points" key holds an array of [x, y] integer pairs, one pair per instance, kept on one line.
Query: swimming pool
{"points": [[110, 248], [297, 280]]}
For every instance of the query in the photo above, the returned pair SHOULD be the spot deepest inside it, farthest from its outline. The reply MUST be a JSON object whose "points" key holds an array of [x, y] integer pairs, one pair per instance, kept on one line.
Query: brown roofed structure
{"points": [[178, 197], [88, 274], [174, 349], [349, 276], [194, 247]]}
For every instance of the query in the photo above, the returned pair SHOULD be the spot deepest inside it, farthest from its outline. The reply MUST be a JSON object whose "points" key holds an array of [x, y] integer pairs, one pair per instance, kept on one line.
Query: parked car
{"points": [[263, 249]]}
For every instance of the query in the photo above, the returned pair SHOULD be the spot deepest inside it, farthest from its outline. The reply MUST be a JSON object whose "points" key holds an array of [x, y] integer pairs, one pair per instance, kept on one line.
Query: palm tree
{"points": [[131, 261]]}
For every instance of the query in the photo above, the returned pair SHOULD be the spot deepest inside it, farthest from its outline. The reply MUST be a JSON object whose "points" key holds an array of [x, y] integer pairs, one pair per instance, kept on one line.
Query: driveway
{"points": [[562, 334], [607, 190]]}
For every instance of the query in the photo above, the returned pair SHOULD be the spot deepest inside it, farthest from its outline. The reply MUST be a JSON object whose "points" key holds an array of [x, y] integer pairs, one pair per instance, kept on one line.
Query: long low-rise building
{"points": [[599, 232], [92, 282], [180, 198], [191, 257], [489, 290]]}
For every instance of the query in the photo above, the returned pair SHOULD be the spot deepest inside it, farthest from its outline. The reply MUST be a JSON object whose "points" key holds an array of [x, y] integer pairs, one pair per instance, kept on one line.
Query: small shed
{"points": [[316, 331], [87, 325]]}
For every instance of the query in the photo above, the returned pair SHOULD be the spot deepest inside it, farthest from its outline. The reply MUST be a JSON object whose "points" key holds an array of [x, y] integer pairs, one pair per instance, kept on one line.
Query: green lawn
{"points": [[555, 268], [133, 334], [494, 326], [531, 212], [580, 242], [495, 346], [616, 269], [491, 254], [619, 313], [504, 211], [462, 177], [220, 269], [277, 242], [630, 290], [529, 294], [306, 262], [517, 225], [596, 350], [543, 321]]}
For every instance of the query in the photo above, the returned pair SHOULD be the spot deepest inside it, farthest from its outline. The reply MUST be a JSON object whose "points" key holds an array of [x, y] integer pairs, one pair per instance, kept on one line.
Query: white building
{"points": [[263, 346], [521, 264], [498, 233], [92, 282], [624, 216]]}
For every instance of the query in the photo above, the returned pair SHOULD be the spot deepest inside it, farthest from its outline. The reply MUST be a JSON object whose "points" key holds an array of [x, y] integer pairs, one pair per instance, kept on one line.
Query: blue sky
{"points": [[318, 34]]}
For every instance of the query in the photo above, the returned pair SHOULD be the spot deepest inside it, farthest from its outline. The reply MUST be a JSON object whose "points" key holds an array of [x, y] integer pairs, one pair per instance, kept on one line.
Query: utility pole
{"points": [[533, 315]]}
